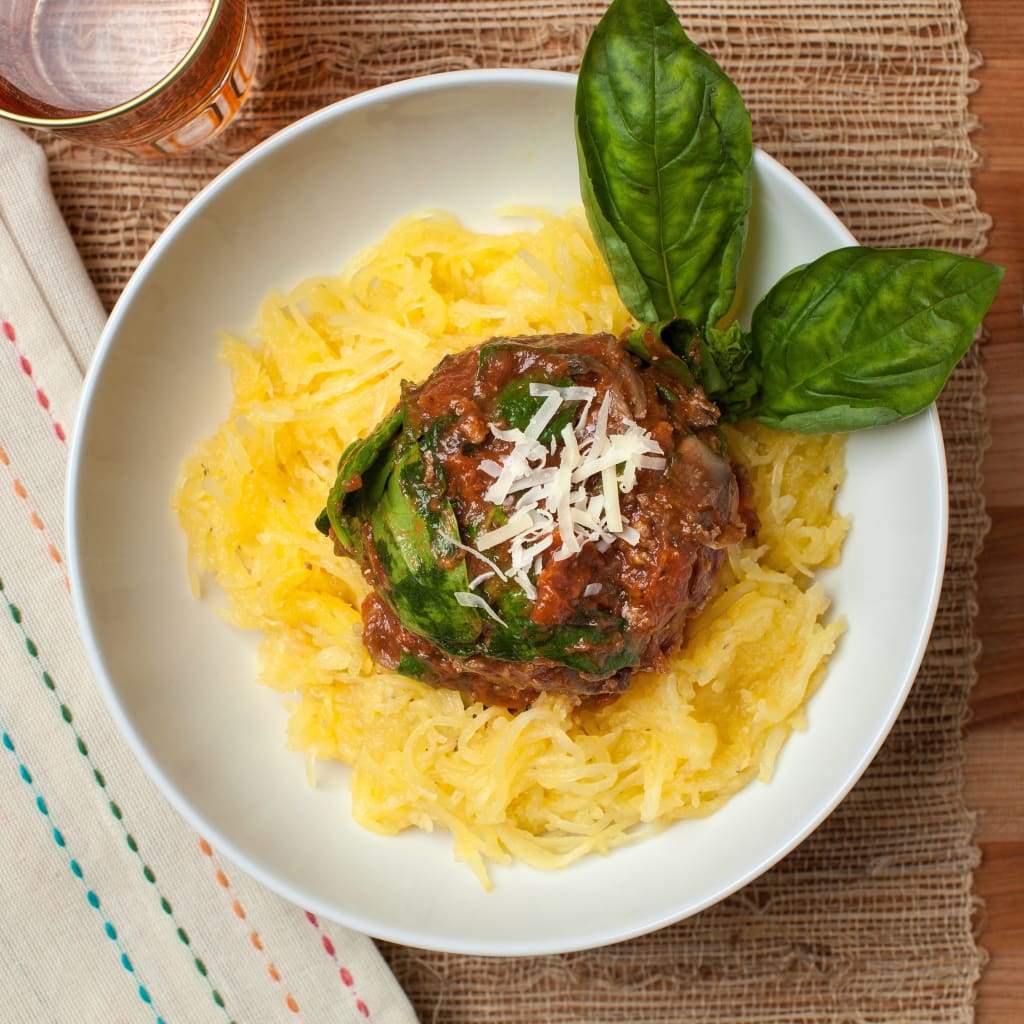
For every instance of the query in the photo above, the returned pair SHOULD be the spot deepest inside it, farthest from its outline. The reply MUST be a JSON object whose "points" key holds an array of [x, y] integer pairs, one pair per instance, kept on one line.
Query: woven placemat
{"points": [[867, 100]]}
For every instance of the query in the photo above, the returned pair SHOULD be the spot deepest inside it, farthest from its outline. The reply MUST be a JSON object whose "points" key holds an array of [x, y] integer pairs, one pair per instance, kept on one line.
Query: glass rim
{"points": [[157, 87]]}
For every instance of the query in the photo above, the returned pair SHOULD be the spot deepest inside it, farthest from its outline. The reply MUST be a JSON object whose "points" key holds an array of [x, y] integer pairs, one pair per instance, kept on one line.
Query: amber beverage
{"points": [[157, 78]]}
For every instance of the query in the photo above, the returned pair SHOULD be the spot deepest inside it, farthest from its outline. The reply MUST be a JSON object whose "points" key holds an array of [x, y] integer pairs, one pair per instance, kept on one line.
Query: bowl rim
{"points": [[354, 920]]}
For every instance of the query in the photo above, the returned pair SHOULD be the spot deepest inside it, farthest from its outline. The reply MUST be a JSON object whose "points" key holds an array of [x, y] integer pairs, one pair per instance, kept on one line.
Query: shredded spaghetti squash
{"points": [[547, 785]]}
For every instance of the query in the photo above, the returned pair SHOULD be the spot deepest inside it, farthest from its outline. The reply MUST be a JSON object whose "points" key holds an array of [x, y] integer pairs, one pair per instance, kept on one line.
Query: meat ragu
{"points": [[584, 622]]}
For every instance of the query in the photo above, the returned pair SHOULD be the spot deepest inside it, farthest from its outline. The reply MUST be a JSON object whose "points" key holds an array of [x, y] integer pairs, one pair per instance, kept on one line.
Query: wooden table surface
{"points": [[995, 739]]}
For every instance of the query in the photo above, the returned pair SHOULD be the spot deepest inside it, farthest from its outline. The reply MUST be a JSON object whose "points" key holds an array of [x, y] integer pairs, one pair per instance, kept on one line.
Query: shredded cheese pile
{"points": [[555, 499], [545, 786]]}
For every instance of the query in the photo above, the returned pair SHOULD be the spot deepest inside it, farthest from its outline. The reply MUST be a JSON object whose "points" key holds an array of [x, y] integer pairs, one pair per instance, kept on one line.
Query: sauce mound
{"points": [[572, 595]]}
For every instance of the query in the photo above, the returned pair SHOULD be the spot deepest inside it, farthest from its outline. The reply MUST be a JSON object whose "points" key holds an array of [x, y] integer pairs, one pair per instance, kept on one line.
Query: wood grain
{"points": [[995, 739]]}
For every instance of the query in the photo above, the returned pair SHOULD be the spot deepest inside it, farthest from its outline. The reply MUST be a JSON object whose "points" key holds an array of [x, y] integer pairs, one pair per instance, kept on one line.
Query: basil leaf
{"points": [[728, 372], [862, 337], [357, 460], [665, 157], [419, 588]]}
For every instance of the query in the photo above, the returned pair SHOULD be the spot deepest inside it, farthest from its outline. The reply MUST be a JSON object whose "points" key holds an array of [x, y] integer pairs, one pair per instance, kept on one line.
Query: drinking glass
{"points": [[156, 77]]}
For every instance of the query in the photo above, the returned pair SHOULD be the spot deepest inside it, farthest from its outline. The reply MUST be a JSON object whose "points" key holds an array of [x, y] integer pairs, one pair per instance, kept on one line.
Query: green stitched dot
{"points": [[98, 776], [165, 905], [183, 935], [1, 585], [132, 845], [65, 713], [94, 900], [48, 679], [218, 999], [115, 810], [15, 613], [31, 648], [147, 873], [200, 966], [82, 748]]}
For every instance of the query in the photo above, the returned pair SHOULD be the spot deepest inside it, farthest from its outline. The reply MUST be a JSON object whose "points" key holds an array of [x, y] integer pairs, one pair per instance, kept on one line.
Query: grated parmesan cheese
{"points": [[468, 600], [546, 499]]}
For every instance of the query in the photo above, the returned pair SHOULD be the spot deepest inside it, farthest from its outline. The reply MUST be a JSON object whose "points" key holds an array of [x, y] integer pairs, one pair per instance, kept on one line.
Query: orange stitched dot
{"points": [[222, 879], [4, 457], [237, 908], [53, 553], [289, 1001], [36, 521], [205, 846], [19, 489], [255, 939], [272, 971]]}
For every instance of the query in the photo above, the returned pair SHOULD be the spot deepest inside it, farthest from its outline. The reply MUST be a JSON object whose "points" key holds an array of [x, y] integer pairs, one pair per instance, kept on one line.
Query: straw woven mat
{"points": [[866, 100]]}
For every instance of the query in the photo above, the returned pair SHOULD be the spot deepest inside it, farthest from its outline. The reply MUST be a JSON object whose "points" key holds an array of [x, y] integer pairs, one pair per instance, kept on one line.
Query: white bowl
{"points": [[180, 682]]}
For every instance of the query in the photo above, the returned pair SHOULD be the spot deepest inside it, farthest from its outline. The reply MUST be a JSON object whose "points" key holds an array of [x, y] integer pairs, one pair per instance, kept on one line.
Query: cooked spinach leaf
{"points": [[862, 337], [517, 406], [357, 460], [593, 647], [665, 157], [420, 589]]}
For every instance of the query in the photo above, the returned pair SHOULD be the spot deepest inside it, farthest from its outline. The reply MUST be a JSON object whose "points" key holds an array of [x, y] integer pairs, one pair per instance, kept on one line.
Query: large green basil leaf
{"points": [[358, 459], [665, 157], [419, 587], [862, 337]]}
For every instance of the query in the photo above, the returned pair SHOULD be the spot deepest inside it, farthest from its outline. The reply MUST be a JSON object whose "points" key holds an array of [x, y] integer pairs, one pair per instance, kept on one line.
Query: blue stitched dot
{"points": [[144, 994], [94, 900], [58, 838], [110, 930], [8, 742], [126, 963], [76, 870], [25, 773], [41, 804]]}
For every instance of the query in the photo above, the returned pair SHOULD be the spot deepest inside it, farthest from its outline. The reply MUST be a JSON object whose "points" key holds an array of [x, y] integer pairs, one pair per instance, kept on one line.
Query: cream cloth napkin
{"points": [[113, 910]]}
